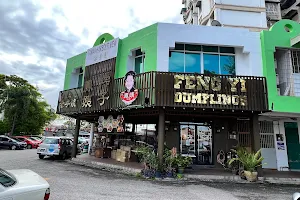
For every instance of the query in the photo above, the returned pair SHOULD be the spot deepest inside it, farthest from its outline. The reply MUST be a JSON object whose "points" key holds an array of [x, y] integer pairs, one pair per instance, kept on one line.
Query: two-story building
{"points": [[199, 88], [281, 67]]}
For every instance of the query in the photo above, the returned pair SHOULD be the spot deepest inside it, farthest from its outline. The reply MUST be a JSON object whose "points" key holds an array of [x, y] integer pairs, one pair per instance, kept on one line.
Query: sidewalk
{"points": [[203, 174]]}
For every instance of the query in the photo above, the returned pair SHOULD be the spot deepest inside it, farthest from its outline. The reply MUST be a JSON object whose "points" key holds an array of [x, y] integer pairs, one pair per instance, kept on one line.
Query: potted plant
{"points": [[250, 161], [182, 162], [169, 159]]}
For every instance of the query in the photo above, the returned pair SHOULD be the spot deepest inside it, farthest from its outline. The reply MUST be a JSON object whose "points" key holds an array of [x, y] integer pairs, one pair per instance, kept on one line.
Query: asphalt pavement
{"points": [[70, 182]]}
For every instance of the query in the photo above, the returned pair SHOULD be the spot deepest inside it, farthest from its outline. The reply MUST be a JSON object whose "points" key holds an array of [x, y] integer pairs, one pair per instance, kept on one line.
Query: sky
{"points": [[38, 36]]}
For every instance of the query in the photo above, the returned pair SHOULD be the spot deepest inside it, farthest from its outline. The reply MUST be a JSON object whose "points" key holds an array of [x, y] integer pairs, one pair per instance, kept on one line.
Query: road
{"points": [[70, 182]]}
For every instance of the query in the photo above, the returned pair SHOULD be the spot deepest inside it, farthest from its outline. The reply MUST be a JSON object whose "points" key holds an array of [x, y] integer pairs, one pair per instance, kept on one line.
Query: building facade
{"points": [[199, 88], [255, 15], [281, 67]]}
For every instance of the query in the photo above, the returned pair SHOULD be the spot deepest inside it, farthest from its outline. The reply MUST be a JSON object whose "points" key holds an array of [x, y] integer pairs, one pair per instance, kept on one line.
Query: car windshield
{"points": [[34, 139], [51, 141], [6, 179], [15, 140]]}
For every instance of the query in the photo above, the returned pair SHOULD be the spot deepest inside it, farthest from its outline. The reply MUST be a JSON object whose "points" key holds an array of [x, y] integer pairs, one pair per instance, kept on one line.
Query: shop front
{"points": [[198, 114]]}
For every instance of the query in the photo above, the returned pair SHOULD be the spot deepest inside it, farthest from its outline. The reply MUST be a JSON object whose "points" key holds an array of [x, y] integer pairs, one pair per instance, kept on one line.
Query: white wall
{"points": [[248, 50], [252, 3], [241, 18], [282, 157], [206, 7]]}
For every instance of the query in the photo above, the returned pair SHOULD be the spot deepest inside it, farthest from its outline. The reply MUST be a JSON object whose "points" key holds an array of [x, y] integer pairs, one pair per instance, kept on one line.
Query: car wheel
{"points": [[13, 147], [41, 156], [64, 156], [29, 146]]}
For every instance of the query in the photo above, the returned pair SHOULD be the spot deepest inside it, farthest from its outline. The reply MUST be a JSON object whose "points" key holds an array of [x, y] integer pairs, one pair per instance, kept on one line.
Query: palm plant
{"points": [[249, 160]]}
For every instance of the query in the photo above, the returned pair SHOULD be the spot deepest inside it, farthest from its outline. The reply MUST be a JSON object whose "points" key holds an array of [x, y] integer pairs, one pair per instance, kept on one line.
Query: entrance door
{"points": [[196, 142], [204, 144], [293, 145], [187, 140]]}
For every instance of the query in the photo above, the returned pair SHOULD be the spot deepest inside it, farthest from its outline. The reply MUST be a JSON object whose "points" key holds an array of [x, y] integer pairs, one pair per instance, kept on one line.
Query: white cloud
{"points": [[77, 24]]}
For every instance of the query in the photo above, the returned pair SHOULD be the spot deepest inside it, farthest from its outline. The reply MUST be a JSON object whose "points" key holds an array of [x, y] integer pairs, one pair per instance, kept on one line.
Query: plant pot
{"points": [[157, 174], [180, 170], [169, 174], [251, 176]]}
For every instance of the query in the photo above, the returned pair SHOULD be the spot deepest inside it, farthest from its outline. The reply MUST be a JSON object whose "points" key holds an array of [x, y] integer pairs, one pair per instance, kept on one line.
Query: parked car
{"points": [[30, 143], [55, 146], [10, 143], [296, 196], [23, 184]]}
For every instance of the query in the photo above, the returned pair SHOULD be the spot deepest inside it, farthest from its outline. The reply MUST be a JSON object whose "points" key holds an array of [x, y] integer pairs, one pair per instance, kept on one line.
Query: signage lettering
{"points": [[98, 81], [102, 52], [207, 85]]}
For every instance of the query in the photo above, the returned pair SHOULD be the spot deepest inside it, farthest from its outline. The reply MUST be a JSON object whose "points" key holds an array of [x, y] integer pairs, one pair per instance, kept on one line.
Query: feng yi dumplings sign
{"points": [[210, 90]]}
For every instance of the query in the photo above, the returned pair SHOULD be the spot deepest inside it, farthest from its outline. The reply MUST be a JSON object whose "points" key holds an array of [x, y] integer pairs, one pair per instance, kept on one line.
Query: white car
{"points": [[296, 196], [23, 184]]}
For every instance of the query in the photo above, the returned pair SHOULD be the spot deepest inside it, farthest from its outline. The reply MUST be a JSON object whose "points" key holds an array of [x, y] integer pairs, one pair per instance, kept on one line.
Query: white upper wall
{"points": [[246, 43], [251, 3], [241, 18]]}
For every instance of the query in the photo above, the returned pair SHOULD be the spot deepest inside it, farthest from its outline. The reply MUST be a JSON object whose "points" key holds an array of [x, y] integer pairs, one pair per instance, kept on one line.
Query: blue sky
{"points": [[37, 37]]}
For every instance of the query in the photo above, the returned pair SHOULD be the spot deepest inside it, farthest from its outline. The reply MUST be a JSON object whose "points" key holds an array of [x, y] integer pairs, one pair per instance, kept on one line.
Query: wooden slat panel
{"points": [[159, 88]]}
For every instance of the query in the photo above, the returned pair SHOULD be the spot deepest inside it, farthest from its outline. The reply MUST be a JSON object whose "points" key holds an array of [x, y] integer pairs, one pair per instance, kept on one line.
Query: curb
{"points": [[104, 166], [187, 177]]}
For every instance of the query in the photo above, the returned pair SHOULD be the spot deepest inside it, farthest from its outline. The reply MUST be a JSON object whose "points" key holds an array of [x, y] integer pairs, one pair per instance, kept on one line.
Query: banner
{"points": [[102, 52], [130, 94], [111, 125]]}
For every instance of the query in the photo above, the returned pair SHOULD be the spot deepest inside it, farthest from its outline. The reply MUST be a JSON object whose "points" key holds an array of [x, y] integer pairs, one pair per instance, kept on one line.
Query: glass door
{"points": [[204, 144], [187, 140]]}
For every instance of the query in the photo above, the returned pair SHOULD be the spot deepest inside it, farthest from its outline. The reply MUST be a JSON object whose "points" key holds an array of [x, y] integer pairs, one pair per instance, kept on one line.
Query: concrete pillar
{"points": [[75, 142], [281, 155], [254, 127], [298, 121], [255, 139], [91, 139], [161, 135]]}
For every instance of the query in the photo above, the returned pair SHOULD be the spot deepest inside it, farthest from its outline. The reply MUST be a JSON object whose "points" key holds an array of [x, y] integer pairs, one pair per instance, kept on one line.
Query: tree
{"points": [[25, 111]]}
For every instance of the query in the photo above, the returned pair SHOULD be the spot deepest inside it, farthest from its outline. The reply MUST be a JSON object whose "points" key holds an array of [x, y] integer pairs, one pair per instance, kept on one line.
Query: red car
{"points": [[30, 143]]}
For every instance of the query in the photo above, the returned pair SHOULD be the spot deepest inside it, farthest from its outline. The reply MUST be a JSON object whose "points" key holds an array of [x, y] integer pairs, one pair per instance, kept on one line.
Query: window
{"points": [[139, 61], [51, 141], [6, 179], [80, 77], [5, 139], [190, 58]]}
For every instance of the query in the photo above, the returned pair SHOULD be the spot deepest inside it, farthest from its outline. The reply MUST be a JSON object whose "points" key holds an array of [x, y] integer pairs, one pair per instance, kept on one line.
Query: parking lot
{"points": [[69, 181]]}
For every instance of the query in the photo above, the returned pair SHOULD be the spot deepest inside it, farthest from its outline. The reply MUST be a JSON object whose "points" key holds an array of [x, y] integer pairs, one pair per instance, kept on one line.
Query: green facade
{"points": [[278, 36], [73, 63], [146, 39]]}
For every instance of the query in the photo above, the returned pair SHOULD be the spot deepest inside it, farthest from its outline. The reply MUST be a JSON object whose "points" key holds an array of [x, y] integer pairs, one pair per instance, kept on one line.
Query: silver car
{"points": [[296, 196], [60, 147]]}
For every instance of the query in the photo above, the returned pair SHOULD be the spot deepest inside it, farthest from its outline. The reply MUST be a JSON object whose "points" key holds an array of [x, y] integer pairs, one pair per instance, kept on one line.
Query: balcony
{"points": [[165, 89]]}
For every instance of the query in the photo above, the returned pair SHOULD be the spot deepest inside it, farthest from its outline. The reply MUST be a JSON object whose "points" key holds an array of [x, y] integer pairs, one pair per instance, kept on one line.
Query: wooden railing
{"points": [[159, 88]]}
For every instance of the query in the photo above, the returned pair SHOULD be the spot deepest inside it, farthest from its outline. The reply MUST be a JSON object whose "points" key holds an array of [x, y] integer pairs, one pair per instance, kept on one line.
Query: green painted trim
{"points": [[146, 39], [105, 37], [73, 63], [277, 36]]}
